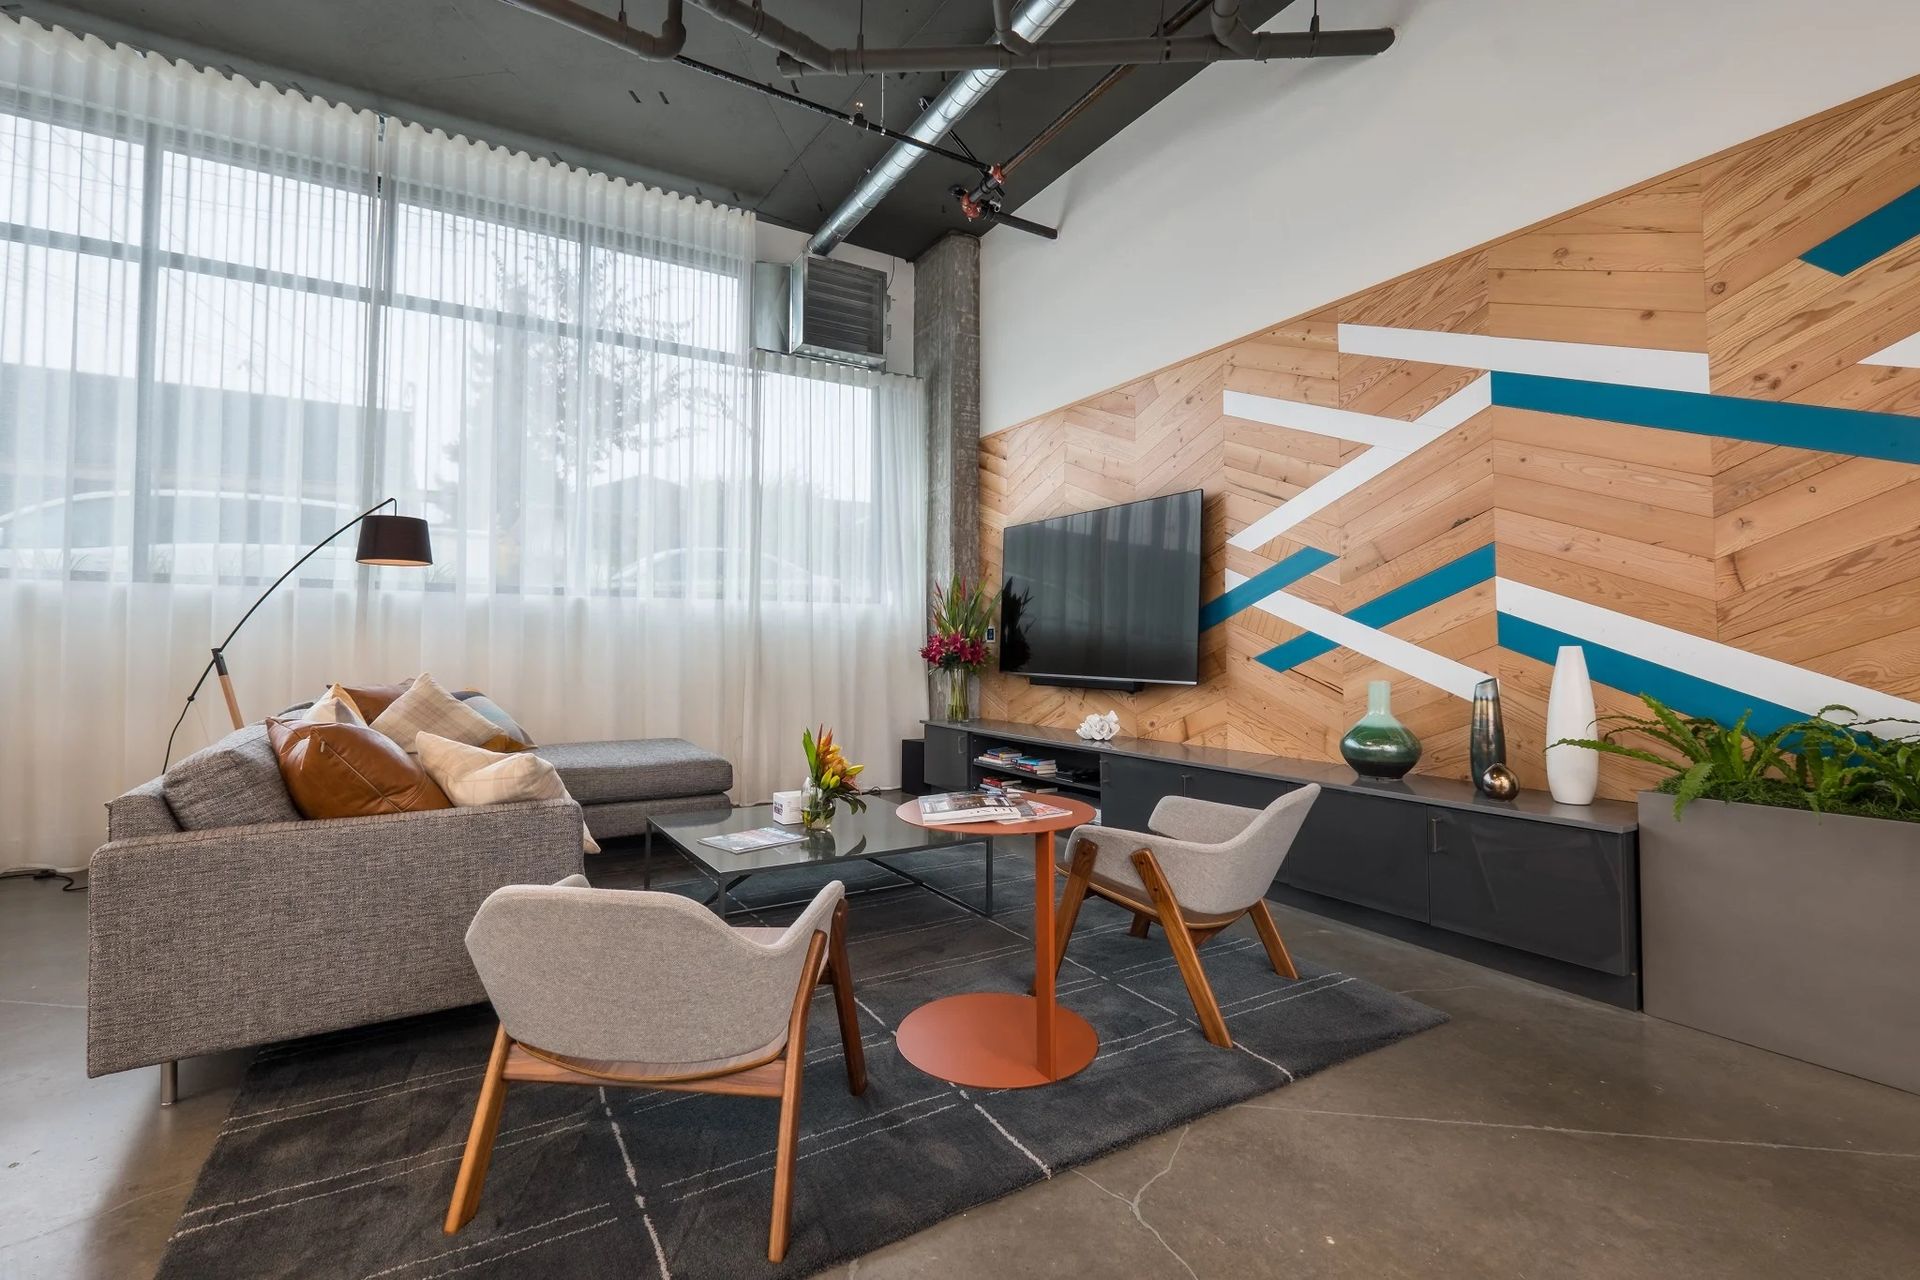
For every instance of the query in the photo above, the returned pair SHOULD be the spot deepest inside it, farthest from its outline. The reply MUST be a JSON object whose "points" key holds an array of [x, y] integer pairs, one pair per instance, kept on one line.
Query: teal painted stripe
{"points": [[1263, 584], [1687, 694], [1892, 224], [1893, 436], [1450, 579]]}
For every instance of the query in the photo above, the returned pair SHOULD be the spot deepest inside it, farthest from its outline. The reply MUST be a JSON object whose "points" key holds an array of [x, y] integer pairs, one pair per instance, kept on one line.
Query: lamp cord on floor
{"points": [[44, 873]]}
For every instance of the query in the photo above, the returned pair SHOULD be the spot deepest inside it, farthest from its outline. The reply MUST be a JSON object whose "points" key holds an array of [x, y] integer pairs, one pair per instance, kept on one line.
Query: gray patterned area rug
{"points": [[339, 1155]]}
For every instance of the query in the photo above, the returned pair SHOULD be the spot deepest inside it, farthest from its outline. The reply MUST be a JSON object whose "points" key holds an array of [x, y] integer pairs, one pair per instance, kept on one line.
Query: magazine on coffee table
{"points": [[758, 838], [965, 806], [1034, 811]]}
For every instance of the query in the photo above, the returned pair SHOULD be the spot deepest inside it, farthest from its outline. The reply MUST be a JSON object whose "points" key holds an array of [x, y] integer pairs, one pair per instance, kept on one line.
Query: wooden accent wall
{"points": [[1809, 557]]}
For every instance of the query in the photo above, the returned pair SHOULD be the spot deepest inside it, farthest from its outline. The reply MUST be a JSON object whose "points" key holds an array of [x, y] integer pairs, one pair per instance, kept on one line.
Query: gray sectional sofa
{"points": [[218, 918]]}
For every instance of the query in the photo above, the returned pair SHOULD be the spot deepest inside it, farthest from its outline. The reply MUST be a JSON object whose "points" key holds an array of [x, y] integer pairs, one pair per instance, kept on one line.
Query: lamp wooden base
{"points": [[987, 1039]]}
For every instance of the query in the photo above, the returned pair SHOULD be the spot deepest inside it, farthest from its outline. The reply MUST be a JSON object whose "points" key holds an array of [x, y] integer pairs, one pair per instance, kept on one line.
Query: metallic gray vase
{"points": [[1487, 739]]}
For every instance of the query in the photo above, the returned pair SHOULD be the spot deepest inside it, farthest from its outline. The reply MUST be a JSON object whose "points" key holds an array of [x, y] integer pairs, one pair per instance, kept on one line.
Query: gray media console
{"points": [[1542, 890]]}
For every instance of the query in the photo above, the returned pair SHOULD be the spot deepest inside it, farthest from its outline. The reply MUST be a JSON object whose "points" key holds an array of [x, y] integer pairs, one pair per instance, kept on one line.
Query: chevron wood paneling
{"points": [[1810, 557]]}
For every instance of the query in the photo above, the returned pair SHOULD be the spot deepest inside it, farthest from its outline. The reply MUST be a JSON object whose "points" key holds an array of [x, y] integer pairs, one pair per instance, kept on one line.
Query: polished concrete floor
{"points": [[1536, 1135]]}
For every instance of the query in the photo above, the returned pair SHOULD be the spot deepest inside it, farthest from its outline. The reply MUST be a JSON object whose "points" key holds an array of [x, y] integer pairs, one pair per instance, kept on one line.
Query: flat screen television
{"points": [[1104, 598]]}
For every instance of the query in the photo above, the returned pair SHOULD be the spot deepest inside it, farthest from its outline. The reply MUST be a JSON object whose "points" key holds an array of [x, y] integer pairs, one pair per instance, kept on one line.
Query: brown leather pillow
{"points": [[349, 771], [372, 699]]}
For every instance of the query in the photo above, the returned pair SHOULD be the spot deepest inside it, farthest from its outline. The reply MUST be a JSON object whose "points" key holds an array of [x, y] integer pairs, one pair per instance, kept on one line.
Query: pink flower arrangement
{"points": [[949, 651], [962, 612]]}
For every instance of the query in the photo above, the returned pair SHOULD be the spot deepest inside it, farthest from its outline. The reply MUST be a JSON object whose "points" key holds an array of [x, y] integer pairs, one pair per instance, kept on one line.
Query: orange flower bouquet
{"points": [[830, 780]]}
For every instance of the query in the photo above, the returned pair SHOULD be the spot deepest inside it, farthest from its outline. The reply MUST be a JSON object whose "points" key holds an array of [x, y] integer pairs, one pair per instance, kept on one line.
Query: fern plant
{"points": [[1708, 758], [1845, 762], [1825, 763]]}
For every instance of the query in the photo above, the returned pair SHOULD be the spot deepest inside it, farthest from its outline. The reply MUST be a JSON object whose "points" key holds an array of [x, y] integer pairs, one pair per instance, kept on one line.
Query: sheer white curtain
{"points": [[233, 318]]}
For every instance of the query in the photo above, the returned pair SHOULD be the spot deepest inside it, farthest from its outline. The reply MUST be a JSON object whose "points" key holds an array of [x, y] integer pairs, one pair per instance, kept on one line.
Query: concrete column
{"points": [[946, 348]]}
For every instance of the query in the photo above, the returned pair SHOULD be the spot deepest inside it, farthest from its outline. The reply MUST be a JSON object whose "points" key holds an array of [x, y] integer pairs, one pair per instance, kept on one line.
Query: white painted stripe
{"points": [[1407, 658], [1318, 420], [1710, 660], [1316, 497], [1904, 354], [1633, 366]]}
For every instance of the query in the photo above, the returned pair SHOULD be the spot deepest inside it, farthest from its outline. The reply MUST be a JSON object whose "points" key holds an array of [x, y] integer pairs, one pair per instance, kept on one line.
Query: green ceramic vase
{"points": [[1379, 746]]}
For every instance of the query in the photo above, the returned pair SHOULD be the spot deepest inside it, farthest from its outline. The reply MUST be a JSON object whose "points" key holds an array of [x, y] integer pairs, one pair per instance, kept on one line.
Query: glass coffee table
{"points": [[873, 836]]}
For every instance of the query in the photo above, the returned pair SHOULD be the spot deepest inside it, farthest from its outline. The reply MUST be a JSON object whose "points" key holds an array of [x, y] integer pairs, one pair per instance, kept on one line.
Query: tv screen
{"points": [[1109, 595]]}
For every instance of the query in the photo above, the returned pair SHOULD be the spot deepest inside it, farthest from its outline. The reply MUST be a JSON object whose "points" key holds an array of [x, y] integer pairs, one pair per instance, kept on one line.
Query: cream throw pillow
{"points": [[335, 706], [427, 708], [474, 776]]}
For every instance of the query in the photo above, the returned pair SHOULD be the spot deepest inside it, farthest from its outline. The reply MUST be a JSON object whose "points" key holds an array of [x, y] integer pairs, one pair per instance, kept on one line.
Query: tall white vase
{"points": [[1573, 773]]}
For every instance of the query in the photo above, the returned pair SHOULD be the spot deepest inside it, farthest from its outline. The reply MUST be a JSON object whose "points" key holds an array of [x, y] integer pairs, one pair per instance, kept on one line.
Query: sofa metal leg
{"points": [[169, 1083]]}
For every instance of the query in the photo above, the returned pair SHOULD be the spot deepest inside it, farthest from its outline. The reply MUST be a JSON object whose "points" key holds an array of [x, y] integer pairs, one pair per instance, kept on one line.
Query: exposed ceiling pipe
{"points": [[1093, 53], [1230, 31], [941, 115], [615, 31], [1179, 18], [796, 47]]}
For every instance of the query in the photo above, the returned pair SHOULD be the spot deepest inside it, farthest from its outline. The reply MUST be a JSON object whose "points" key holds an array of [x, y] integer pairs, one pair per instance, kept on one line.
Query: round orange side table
{"points": [[997, 1039]]}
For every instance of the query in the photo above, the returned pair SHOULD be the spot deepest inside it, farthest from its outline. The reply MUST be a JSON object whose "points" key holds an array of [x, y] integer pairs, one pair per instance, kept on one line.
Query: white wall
{"points": [[777, 244], [1257, 192]]}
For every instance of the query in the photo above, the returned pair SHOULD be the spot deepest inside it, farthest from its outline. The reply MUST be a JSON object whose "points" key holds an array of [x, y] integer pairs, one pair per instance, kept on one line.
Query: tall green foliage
{"points": [[1826, 763]]}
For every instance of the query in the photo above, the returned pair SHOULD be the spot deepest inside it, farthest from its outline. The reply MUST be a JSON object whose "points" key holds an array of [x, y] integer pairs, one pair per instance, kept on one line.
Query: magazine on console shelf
{"points": [[966, 806]]}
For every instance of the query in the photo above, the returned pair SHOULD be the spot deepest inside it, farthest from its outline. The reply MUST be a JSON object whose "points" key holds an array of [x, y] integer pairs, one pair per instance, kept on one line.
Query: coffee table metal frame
{"points": [[711, 861]]}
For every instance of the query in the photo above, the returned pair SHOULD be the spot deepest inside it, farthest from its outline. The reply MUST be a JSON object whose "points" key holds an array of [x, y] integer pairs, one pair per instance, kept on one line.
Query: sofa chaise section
{"points": [[621, 784]]}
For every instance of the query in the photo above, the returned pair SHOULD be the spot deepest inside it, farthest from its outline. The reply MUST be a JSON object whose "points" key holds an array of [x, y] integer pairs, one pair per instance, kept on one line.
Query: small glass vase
{"points": [[1379, 746], [816, 809]]}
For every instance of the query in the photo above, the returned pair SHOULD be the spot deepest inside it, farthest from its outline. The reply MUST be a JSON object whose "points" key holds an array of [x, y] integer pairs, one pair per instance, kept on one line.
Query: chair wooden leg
{"points": [[1270, 939], [1079, 876], [795, 1065], [840, 975], [783, 1156], [1184, 954], [486, 1124], [1140, 925]]}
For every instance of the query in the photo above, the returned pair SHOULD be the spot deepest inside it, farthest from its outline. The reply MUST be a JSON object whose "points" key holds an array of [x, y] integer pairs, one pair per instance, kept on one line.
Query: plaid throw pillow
{"points": [[427, 708], [474, 776]]}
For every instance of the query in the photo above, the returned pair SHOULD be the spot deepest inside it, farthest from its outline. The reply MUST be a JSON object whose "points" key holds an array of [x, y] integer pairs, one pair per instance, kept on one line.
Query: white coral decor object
{"points": [[1097, 728]]}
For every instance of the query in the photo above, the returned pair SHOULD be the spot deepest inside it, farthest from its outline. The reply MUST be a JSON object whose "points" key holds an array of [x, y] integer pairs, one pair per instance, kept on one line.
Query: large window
{"points": [[215, 350]]}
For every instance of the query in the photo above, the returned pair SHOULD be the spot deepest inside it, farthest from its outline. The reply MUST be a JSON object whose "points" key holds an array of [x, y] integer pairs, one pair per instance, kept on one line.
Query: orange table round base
{"points": [[987, 1039]]}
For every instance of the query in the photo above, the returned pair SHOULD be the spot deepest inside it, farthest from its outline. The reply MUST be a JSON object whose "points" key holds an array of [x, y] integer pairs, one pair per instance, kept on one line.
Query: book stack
{"points": [[1037, 765], [966, 807], [1005, 757]]}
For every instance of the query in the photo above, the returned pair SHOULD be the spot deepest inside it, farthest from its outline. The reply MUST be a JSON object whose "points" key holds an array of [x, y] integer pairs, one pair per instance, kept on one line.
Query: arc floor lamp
{"points": [[390, 539]]}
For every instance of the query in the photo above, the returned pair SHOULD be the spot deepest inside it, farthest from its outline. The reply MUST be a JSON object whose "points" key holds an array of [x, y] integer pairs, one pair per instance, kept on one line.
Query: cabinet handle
{"points": [[1433, 833], [1186, 782]]}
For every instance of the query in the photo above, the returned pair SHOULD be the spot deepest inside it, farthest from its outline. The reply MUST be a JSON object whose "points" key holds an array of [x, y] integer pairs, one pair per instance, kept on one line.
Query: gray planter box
{"points": [[1797, 932]]}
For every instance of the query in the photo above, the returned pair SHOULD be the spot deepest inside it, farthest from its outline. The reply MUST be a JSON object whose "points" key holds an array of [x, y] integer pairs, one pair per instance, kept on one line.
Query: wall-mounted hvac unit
{"points": [[821, 308]]}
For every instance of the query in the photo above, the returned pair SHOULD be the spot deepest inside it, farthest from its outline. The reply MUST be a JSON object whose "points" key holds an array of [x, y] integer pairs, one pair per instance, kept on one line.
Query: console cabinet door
{"points": [[1130, 788], [1365, 850], [947, 759], [1556, 891]]}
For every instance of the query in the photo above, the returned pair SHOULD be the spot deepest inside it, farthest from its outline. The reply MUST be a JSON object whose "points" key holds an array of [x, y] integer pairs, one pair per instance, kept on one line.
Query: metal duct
{"points": [[672, 37], [940, 116]]}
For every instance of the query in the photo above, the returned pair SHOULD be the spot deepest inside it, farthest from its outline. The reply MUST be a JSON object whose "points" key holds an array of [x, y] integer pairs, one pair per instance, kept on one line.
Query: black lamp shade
{"points": [[395, 540]]}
